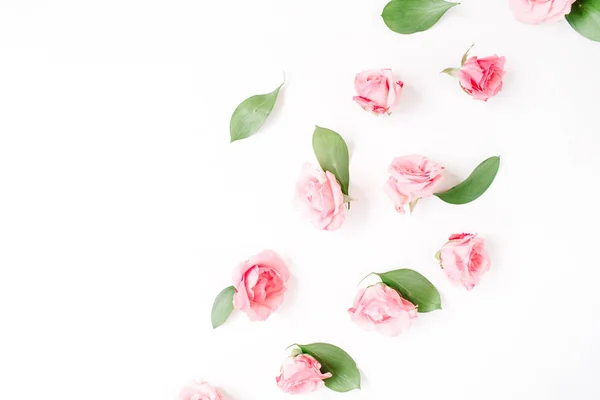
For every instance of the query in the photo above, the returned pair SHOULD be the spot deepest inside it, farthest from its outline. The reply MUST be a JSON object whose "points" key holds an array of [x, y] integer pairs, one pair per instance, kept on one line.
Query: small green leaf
{"points": [[344, 373], [465, 56], [414, 287], [410, 16], [222, 307], [475, 185], [438, 255], [332, 154], [251, 114], [585, 18], [450, 71]]}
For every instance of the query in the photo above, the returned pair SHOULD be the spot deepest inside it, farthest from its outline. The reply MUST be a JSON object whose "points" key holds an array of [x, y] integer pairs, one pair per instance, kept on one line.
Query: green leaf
{"points": [[450, 71], [585, 18], [475, 185], [410, 16], [463, 60], [344, 373], [251, 114], [414, 287], [332, 154], [222, 307]]}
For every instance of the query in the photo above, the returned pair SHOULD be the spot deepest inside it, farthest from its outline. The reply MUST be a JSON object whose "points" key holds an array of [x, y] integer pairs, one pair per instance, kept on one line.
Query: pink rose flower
{"points": [[538, 11], [301, 374], [464, 259], [482, 77], [199, 391], [380, 308], [412, 177], [260, 283], [320, 197], [377, 91]]}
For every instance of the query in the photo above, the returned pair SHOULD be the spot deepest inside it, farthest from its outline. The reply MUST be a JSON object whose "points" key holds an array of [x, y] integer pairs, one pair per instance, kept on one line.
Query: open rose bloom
{"points": [[464, 259], [320, 198], [260, 283], [199, 391], [301, 374], [377, 91], [539, 11], [412, 178], [482, 77], [381, 308]]}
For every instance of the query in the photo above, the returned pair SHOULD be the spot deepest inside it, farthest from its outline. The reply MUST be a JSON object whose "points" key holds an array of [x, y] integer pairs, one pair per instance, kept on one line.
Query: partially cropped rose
{"points": [[411, 178], [319, 196], [482, 77], [464, 259], [538, 11], [260, 283], [199, 391], [301, 374], [381, 308], [377, 91]]}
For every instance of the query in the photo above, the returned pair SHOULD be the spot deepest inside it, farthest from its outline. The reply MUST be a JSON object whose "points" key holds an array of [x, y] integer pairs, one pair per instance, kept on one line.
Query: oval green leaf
{"points": [[411, 16], [344, 373], [585, 18], [475, 185], [222, 307], [332, 153], [251, 114], [414, 287]]}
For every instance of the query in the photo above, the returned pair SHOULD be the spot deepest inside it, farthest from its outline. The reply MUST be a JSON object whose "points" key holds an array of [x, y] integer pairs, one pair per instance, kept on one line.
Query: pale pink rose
{"points": [[319, 196], [482, 77], [301, 374], [464, 259], [260, 283], [538, 11], [377, 91], [411, 178], [381, 308], [199, 391]]}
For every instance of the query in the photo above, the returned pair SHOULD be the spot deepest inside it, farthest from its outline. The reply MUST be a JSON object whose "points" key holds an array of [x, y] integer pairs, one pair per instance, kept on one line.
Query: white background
{"points": [[124, 209]]}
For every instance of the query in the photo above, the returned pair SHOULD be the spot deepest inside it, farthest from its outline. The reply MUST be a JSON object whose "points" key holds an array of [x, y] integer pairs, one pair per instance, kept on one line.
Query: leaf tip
{"points": [[450, 71]]}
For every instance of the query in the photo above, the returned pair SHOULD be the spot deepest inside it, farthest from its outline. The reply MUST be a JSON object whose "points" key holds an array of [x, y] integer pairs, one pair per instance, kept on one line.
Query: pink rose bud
{"points": [[301, 374], [199, 391], [319, 196], [377, 91], [411, 178], [260, 283], [380, 308], [482, 77], [538, 11], [464, 259]]}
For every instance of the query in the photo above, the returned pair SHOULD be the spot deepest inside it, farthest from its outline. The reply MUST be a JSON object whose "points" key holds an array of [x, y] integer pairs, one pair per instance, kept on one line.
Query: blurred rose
{"points": [[319, 196], [377, 91], [260, 283], [411, 178], [464, 259], [301, 374], [538, 11], [482, 77], [199, 391], [380, 308]]}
